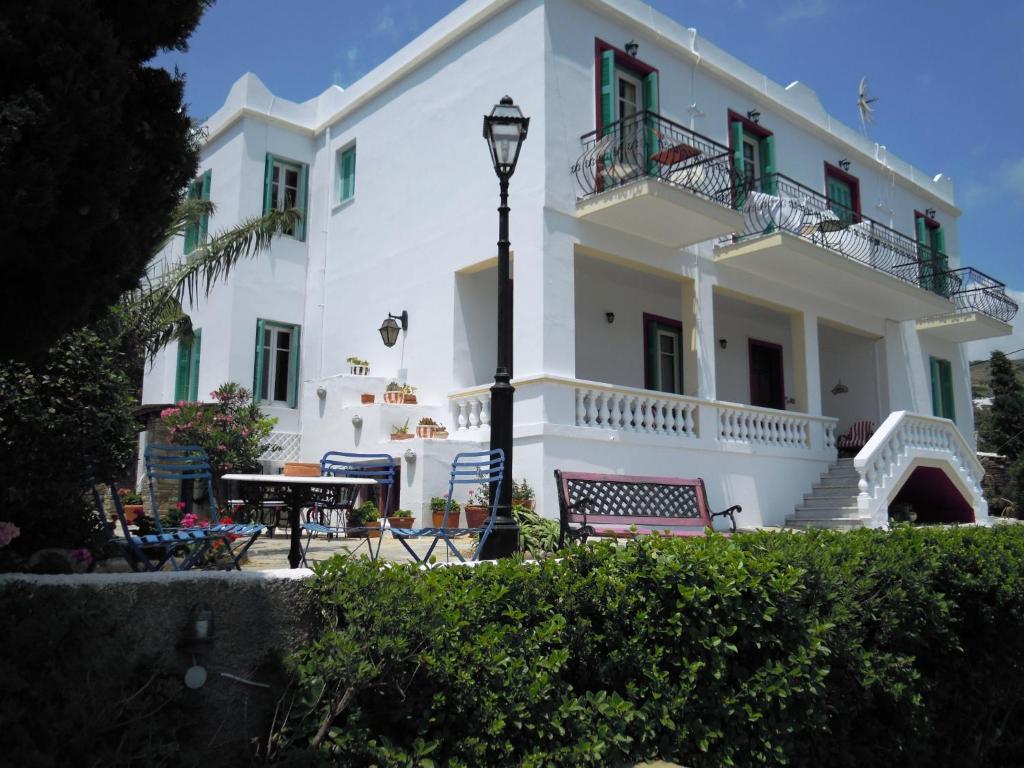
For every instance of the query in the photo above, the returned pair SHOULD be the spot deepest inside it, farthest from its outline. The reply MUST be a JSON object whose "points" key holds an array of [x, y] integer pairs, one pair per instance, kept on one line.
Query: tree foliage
{"points": [[95, 150]]}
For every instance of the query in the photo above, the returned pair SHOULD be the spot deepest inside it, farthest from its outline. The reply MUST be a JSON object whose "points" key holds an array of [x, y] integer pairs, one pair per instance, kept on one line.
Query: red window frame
{"points": [[622, 59], [849, 179]]}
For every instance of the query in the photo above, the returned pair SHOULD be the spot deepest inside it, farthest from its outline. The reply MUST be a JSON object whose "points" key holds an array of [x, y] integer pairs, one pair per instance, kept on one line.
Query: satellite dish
{"points": [[864, 103]]}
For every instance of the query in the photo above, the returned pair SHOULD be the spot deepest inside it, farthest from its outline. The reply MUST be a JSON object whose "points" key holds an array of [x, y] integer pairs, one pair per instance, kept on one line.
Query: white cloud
{"points": [[980, 350], [801, 10], [385, 22], [351, 55]]}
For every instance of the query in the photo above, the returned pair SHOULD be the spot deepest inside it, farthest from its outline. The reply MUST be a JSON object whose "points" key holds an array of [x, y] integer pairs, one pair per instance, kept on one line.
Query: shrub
{"points": [[870, 648]]}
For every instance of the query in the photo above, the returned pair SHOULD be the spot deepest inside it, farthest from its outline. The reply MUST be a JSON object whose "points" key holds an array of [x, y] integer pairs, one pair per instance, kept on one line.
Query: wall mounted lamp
{"points": [[632, 47], [723, 343], [200, 624], [840, 388], [357, 421], [754, 116], [844, 164], [930, 213], [321, 392], [390, 327], [609, 316], [410, 456]]}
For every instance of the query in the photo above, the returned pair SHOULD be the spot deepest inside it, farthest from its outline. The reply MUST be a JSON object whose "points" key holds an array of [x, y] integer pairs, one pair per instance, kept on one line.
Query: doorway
{"points": [[766, 382]]}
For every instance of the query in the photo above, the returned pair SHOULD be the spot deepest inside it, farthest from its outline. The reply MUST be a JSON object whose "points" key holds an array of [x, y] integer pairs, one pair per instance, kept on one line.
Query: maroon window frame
{"points": [[677, 325], [622, 59], [749, 126], [847, 178], [753, 344], [928, 220]]}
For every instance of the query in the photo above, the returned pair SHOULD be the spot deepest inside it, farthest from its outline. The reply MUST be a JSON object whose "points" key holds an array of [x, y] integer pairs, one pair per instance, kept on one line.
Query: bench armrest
{"points": [[730, 513]]}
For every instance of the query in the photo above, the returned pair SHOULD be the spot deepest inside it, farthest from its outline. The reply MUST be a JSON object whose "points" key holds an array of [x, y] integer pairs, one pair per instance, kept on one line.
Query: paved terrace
{"points": [[271, 552]]}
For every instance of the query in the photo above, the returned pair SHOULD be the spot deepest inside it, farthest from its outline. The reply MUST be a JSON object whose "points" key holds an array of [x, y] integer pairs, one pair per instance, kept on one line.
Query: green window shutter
{"points": [[946, 385], [840, 199], [769, 184], [923, 256], [736, 134], [268, 187], [293, 369], [182, 373], [609, 98], [936, 386], [300, 232], [348, 174], [257, 393], [651, 355], [204, 194], [651, 136], [193, 366], [192, 230]]}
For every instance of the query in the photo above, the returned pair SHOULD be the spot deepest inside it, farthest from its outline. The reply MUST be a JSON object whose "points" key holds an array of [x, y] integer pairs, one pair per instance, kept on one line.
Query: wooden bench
{"points": [[626, 505]]}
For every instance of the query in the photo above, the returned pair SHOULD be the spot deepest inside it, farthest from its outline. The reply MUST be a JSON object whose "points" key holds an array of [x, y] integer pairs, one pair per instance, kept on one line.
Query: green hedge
{"points": [[859, 649]]}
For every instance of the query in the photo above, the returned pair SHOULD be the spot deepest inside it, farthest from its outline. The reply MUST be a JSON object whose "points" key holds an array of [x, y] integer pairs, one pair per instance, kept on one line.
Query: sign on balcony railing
{"points": [[977, 292], [647, 145], [788, 206]]}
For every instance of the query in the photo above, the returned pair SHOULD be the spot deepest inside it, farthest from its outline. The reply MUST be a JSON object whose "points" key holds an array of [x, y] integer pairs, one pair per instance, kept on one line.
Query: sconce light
{"points": [[410, 456], [609, 316], [753, 116], [200, 624], [632, 47], [390, 327], [357, 421], [840, 388], [930, 213], [723, 343], [321, 392], [844, 164]]}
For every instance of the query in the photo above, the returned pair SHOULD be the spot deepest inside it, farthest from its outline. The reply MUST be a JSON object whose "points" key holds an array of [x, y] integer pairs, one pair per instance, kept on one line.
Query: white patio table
{"points": [[299, 492]]}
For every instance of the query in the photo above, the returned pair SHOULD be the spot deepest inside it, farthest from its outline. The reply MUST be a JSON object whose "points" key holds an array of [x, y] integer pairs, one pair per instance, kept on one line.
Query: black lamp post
{"points": [[505, 130]]}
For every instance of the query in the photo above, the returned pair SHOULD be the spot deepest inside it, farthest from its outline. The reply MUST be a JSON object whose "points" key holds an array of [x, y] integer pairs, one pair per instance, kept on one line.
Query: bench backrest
{"points": [[631, 499]]}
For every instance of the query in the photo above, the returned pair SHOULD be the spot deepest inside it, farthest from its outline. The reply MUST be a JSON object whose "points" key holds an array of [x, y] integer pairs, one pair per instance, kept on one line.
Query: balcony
{"points": [[650, 177], [983, 310], [794, 235]]}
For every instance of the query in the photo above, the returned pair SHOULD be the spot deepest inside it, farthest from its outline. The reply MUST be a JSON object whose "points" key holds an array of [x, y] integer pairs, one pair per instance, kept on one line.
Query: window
{"points": [[663, 364], [843, 192], [276, 379], [931, 250], [196, 233], [753, 154], [626, 87], [186, 379], [284, 186], [347, 174], [942, 388]]}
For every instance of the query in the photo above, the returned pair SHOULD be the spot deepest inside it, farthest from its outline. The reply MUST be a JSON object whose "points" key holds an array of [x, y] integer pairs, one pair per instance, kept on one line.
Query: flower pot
{"points": [[367, 398], [394, 397], [425, 430], [409, 399], [400, 522], [132, 513], [524, 503], [301, 469], [476, 517], [402, 436], [359, 370], [442, 435], [453, 519]]}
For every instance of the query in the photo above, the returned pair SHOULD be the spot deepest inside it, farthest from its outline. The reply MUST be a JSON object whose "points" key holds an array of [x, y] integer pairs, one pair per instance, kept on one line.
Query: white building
{"points": [[716, 280]]}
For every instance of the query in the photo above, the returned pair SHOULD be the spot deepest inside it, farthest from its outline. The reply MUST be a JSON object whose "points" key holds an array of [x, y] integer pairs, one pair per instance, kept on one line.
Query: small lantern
{"points": [[390, 327], [200, 624], [505, 130]]}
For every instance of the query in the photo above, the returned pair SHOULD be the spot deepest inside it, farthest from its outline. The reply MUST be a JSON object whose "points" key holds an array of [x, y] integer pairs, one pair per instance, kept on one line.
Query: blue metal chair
{"points": [[190, 462], [375, 466], [468, 468]]}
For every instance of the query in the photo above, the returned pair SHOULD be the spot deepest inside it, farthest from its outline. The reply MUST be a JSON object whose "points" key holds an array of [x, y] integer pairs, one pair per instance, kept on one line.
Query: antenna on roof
{"points": [[864, 107]]}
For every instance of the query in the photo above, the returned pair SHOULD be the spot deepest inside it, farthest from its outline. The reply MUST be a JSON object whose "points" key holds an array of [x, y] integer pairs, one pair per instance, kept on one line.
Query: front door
{"points": [[766, 388]]}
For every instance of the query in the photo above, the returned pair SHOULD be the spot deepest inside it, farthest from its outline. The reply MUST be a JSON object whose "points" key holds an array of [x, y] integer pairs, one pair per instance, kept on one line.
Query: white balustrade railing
{"points": [[636, 410], [471, 412], [892, 451], [765, 426]]}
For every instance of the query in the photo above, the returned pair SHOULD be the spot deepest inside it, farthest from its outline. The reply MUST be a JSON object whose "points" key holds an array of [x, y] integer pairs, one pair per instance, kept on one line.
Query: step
{"points": [[837, 482], [828, 510], [825, 502], [832, 491], [831, 523]]}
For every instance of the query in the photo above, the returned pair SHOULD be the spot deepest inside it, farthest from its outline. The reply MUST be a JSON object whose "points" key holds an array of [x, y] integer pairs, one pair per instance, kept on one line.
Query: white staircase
{"points": [[832, 502]]}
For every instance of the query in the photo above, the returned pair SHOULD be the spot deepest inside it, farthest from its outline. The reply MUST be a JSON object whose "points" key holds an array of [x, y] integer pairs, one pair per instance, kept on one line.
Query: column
{"points": [[807, 367]]}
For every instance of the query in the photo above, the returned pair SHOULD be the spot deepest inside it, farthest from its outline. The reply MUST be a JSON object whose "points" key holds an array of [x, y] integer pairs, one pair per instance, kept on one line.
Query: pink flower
{"points": [[180, 505], [8, 532], [83, 556]]}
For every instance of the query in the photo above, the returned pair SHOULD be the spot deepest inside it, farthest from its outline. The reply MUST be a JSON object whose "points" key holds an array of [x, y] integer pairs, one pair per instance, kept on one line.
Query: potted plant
{"points": [[401, 431], [131, 504], [522, 494], [367, 398], [478, 507], [366, 516], [358, 366], [426, 428], [401, 519], [393, 393], [441, 432], [437, 511], [408, 394]]}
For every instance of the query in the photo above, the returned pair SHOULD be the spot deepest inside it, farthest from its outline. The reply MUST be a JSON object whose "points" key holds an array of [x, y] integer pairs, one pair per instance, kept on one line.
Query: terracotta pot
{"points": [[400, 522], [403, 436], [453, 519], [301, 469], [394, 397], [443, 435], [373, 531], [409, 399], [524, 503], [132, 512], [425, 430], [476, 517], [367, 399]]}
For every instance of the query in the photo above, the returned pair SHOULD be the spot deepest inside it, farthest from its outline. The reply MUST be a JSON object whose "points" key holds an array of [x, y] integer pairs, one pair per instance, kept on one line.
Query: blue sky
{"points": [[947, 73]]}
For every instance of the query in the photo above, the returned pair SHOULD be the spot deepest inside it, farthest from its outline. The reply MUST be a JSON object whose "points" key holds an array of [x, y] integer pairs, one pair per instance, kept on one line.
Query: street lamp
{"points": [[505, 130]]}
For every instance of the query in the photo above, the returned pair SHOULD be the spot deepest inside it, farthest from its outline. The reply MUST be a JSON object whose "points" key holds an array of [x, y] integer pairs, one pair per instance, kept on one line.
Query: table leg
{"points": [[294, 512]]}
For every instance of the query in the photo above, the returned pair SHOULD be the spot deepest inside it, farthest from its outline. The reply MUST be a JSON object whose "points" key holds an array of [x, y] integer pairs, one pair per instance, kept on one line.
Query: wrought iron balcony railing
{"points": [[647, 145], [787, 205], [977, 292]]}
